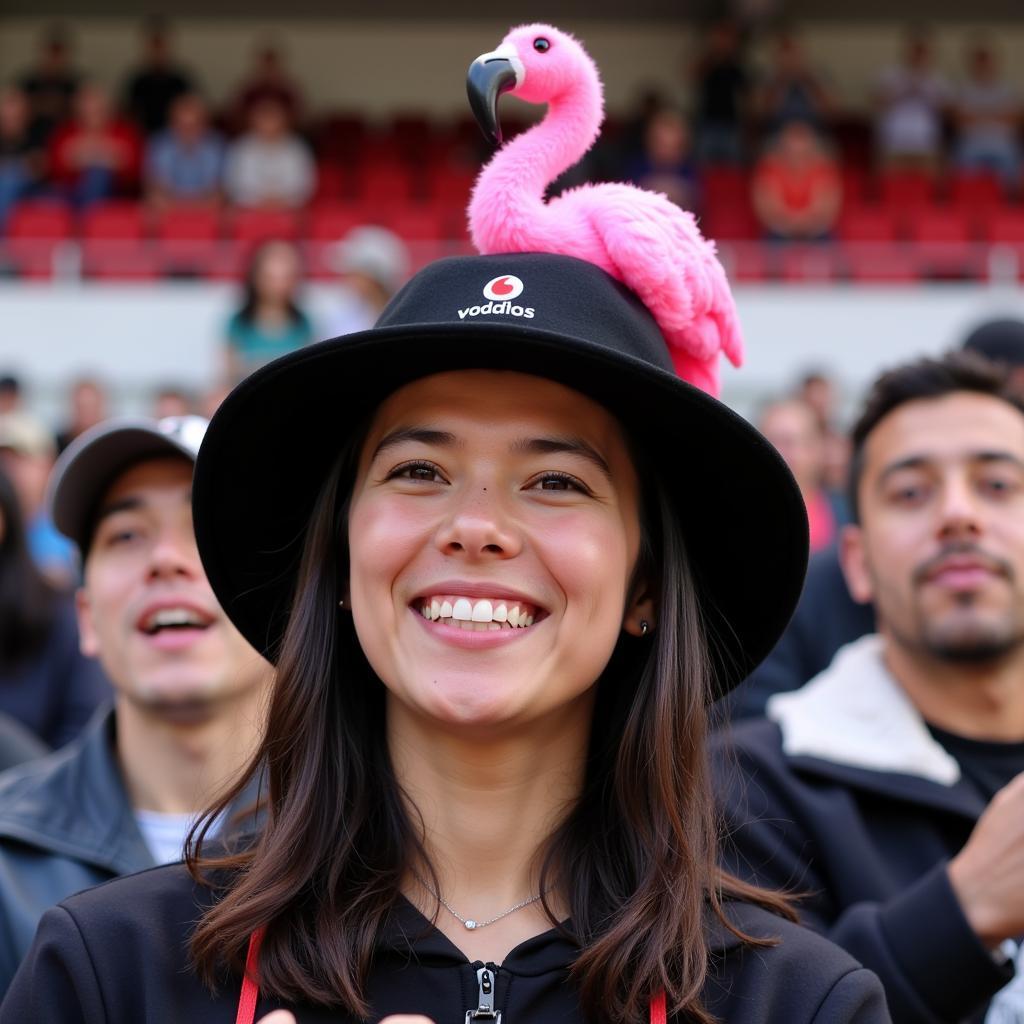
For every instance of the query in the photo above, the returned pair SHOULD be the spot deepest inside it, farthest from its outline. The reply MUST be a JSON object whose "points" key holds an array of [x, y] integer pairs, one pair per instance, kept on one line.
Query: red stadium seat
{"points": [[331, 182], [330, 222], [734, 221], [940, 224], [187, 223], [255, 226], [383, 183], [901, 190], [115, 220], [807, 263], [866, 224], [1005, 224], [884, 264], [976, 190], [43, 219], [418, 222], [35, 230]]}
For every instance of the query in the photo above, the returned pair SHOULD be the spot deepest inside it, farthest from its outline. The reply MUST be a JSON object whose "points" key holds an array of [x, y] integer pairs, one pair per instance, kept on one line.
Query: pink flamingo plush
{"points": [[639, 237]]}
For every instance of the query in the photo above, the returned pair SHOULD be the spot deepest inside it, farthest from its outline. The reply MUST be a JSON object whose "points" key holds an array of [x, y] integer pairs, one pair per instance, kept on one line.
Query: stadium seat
{"points": [[382, 183], [254, 226], [47, 219], [901, 190], [975, 191], [418, 222], [120, 221], [1004, 224], [35, 229], [188, 239], [940, 224], [815, 263], [866, 223]]}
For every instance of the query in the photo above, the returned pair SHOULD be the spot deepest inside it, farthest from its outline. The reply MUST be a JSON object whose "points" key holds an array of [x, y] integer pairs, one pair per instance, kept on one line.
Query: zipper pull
{"points": [[485, 1010]]}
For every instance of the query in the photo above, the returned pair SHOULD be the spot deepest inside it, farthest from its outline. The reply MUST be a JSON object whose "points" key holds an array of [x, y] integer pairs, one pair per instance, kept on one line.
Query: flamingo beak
{"points": [[489, 76]]}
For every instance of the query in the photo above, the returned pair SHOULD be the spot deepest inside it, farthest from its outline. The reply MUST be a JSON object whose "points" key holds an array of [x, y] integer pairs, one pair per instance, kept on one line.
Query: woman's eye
{"points": [[560, 482], [423, 471]]}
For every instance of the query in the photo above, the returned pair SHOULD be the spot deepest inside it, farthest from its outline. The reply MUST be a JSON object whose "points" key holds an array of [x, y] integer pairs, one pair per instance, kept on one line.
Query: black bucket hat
{"points": [[276, 436]]}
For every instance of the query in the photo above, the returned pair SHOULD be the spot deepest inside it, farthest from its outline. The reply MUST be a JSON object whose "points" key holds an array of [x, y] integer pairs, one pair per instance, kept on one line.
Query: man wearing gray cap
{"points": [[189, 691]]}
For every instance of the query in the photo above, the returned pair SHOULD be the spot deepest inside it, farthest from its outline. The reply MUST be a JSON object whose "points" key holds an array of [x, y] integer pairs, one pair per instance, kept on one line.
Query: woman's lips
{"points": [[479, 614]]}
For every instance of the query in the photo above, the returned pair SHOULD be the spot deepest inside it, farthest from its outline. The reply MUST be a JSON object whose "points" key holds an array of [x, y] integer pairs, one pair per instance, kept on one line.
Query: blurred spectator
{"points": [[27, 452], [171, 400], [158, 81], [1001, 341], [95, 156], [88, 406], [189, 692], [988, 115], [22, 151], [269, 166], [373, 263], [793, 428], [663, 163], [797, 188], [792, 91], [912, 100], [51, 85], [818, 390], [46, 683], [270, 322], [722, 86], [269, 81], [185, 163], [10, 393]]}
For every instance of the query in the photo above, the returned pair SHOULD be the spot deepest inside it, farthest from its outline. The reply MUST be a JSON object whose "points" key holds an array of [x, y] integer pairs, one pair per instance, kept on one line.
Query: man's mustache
{"points": [[936, 563]]}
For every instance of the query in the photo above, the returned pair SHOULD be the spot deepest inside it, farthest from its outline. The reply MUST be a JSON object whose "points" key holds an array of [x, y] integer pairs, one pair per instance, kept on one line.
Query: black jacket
{"points": [[117, 955], [66, 823], [825, 618], [845, 797]]}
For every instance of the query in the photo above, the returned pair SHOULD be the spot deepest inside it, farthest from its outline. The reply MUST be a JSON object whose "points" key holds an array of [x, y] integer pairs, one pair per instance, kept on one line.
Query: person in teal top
{"points": [[270, 322]]}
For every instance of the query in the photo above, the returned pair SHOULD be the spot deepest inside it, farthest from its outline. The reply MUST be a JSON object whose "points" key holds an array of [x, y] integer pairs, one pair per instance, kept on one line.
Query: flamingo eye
{"points": [[541, 45]]}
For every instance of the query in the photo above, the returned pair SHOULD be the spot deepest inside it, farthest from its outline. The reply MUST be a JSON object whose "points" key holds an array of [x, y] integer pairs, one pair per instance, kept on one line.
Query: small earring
{"points": [[644, 627], [341, 603]]}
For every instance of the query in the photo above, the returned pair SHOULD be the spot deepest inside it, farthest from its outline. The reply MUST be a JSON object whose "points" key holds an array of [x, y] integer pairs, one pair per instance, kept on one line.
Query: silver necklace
{"points": [[471, 923]]}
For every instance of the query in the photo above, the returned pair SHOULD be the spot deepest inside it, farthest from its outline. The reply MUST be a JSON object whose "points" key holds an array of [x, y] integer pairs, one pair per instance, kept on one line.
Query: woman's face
{"points": [[493, 534], [278, 274]]}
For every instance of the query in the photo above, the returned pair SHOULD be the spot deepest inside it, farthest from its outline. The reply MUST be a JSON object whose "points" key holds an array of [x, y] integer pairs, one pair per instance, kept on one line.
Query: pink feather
{"points": [[639, 237]]}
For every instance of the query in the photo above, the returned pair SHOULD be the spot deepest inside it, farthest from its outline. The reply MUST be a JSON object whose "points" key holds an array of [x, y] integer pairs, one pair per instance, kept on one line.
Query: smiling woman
{"points": [[503, 567]]}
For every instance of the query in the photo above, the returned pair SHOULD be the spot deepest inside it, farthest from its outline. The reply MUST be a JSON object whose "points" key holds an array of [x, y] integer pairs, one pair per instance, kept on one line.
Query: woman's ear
{"points": [[640, 612]]}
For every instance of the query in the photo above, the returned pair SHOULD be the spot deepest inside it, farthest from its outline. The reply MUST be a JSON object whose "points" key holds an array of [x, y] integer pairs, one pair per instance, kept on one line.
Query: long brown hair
{"points": [[635, 858]]}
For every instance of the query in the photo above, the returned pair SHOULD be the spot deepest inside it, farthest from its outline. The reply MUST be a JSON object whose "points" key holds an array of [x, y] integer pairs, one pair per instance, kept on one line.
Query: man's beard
{"points": [[974, 642]]}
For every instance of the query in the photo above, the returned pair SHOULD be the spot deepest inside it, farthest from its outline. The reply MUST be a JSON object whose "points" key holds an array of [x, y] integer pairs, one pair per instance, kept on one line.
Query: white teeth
{"points": [[425, 611], [435, 608], [482, 614], [446, 609], [482, 611], [500, 614], [513, 616], [463, 610], [172, 617], [529, 620]]}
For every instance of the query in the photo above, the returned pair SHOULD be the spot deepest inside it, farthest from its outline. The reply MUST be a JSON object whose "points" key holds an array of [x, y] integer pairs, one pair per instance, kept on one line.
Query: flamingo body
{"points": [[639, 237]]}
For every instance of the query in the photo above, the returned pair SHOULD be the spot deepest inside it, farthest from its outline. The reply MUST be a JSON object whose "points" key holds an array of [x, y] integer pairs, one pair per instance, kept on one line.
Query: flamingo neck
{"points": [[538, 156]]}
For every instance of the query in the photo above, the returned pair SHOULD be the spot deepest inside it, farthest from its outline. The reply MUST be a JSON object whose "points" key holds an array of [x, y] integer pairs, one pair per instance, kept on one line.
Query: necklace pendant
{"points": [[470, 924]]}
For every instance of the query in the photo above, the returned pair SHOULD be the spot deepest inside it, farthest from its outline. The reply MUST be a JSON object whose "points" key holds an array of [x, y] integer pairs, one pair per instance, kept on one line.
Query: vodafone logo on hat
{"points": [[508, 286], [500, 293]]}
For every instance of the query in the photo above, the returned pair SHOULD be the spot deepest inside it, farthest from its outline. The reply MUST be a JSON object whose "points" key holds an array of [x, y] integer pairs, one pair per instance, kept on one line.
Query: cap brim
{"points": [[274, 439], [87, 467]]}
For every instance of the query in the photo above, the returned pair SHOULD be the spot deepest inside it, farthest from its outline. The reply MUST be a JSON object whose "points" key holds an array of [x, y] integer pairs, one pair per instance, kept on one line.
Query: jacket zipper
{"points": [[485, 1010]]}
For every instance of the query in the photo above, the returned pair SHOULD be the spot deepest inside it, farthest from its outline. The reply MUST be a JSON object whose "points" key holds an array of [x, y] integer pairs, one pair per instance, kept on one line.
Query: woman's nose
{"points": [[480, 527]]}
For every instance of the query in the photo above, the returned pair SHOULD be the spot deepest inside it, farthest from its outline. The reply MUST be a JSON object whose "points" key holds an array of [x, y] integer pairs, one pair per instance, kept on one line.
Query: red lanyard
{"points": [[251, 988]]}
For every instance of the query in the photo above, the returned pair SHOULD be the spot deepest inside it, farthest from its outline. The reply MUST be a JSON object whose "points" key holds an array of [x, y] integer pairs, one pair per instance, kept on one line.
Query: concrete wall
{"points": [[138, 336]]}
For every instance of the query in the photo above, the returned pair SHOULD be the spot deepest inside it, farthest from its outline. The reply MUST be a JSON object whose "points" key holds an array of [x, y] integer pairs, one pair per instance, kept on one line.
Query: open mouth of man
{"points": [[174, 625]]}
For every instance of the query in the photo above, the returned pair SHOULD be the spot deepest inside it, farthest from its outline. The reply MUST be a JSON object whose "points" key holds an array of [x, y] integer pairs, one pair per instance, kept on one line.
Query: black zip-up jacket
{"points": [[842, 795], [117, 954]]}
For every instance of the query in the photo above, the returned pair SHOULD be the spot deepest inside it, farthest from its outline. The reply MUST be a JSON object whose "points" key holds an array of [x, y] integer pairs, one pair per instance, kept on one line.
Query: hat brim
{"points": [[87, 467], [277, 435]]}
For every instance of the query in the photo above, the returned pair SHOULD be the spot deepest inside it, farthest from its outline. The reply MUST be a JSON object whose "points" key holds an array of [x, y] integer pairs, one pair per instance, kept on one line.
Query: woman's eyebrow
{"points": [[569, 445], [437, 438]]}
